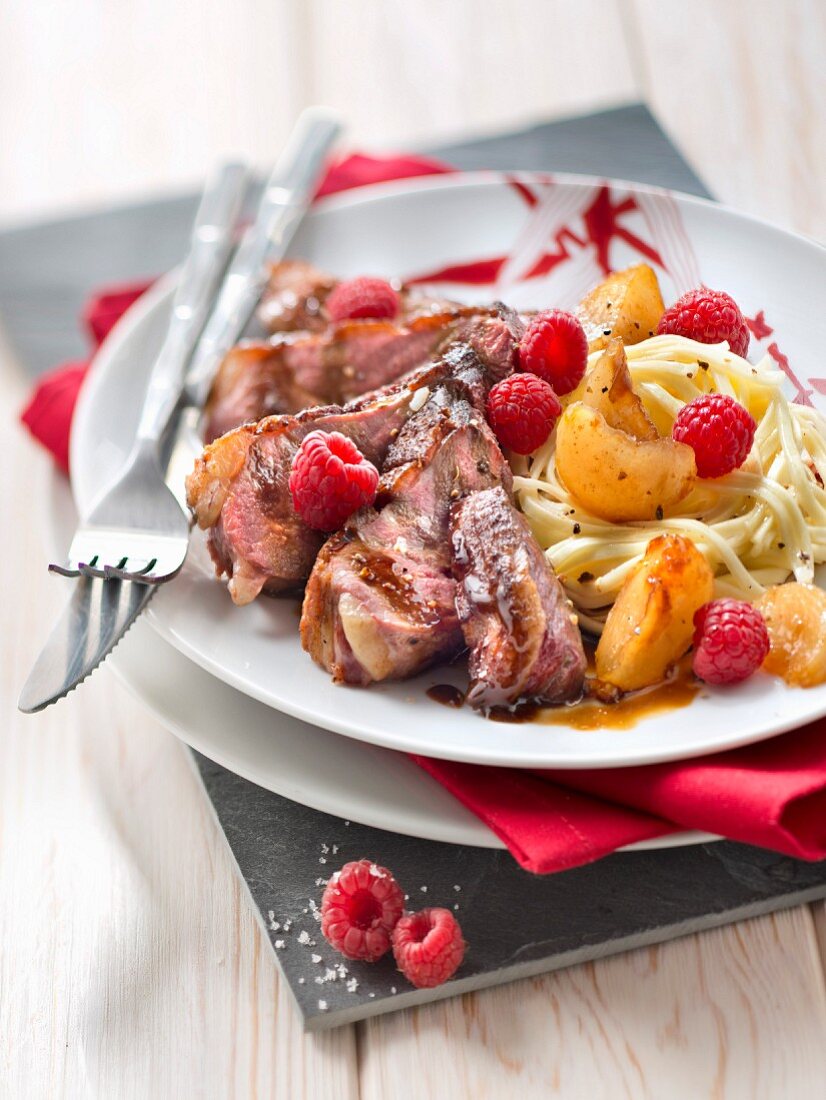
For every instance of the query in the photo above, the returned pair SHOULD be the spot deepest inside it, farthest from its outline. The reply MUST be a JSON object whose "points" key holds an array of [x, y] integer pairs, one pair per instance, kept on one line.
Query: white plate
{"points": [[337, 775], [408, 229]]}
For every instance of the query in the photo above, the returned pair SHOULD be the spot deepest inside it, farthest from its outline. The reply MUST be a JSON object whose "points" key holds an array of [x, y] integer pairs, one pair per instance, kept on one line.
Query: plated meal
{"points": [[444, 480]]}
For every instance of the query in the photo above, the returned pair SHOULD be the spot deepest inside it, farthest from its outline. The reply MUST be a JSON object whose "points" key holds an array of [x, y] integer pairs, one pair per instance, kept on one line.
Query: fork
{"points": [[136, 529]]}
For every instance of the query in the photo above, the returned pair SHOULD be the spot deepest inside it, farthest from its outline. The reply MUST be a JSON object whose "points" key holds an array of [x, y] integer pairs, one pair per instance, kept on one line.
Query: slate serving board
{"points": [[516, 924]]}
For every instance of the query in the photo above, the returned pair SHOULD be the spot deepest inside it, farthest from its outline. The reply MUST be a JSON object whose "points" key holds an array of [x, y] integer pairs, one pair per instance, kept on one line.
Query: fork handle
{"points": [[287, 196], [210, 247]]}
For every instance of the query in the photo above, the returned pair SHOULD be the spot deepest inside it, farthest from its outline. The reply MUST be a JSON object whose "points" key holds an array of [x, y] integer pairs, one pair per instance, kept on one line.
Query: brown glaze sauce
{"points": [[446, 694], [590, 713]]}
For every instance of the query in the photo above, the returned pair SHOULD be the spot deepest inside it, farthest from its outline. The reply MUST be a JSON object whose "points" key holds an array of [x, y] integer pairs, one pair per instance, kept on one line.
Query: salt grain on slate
{"points": [[303, 936], [423, 889], [316, 958], [279, 944], [352, 985], [322, 1006], [456, 887], [301, 981]]}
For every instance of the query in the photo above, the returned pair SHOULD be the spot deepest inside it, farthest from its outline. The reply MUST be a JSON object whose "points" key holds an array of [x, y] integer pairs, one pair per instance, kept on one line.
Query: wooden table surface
{"points": [[130, 962]]}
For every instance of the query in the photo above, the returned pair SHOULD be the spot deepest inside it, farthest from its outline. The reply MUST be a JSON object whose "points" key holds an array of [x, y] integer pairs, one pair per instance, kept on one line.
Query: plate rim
{"points": [[150, 301], [474, 832]]}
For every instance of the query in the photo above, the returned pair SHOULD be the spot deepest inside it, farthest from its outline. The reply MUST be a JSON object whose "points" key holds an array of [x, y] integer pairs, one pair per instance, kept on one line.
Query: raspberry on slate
{"points": [[730, 641], [428, 947], [707, 316], [362, 297], [361, 906], [522, 410], [330, 479], [555, 348], [718, 429]]}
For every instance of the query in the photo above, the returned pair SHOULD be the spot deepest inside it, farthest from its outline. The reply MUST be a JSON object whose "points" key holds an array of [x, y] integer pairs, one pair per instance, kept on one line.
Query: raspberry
{"points": [[708, 316], [363, 297], [360, 908], [428, 947], [522, 411], [718, 429], [555, 347], [330, 479], [730, 641]]}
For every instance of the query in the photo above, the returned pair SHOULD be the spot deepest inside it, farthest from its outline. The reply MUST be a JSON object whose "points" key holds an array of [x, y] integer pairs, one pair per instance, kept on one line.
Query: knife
{"points": [[100, 612]]}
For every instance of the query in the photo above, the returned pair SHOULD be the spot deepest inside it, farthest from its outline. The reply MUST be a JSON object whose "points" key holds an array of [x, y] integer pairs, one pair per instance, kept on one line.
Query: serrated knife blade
{"points": [[94, 620]]}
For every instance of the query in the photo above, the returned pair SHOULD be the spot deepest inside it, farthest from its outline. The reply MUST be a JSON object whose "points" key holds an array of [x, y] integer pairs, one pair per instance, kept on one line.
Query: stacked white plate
{"points": [[234, 682]]}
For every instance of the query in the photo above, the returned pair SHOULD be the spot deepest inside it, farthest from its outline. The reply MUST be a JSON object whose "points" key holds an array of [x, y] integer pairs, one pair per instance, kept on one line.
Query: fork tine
{"points": [[63, 570], [89, 570]]}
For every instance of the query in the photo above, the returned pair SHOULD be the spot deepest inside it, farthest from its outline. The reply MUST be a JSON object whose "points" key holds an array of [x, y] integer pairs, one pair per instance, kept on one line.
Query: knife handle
{"points": [[287, 196], [210, 247]]}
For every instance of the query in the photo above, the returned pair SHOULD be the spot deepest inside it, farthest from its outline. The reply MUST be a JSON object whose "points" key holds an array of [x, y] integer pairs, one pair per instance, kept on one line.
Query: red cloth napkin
{"points": [[772, 794]]}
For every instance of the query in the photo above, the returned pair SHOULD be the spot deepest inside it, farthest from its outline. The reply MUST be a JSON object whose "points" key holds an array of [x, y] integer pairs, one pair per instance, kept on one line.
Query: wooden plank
{"points": [[742, 85], [738, 1011], [132, 964], [406, 72]]}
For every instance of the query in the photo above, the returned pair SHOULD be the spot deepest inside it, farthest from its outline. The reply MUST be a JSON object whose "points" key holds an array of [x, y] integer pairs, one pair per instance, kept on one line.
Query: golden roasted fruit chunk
{"points": [[607, 387], [615, 476], [628, 304], [795, 616], [651, 624]]}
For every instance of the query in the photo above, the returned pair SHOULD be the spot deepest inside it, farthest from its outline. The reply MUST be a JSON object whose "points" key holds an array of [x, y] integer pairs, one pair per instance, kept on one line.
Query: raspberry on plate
{"points": [[522, 410], [555, 348], [361, 906], [363, 297], [707, 316], [330, 479], [719, 430], [428, 947], [730, 641]]}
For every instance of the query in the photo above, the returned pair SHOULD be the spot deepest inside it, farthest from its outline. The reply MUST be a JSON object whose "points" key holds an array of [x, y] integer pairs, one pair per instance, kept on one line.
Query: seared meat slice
{"points": [[371, 613], [380, 601], [296, 371], [519, 626], [296, 293], [239, 490], [239, 487]]}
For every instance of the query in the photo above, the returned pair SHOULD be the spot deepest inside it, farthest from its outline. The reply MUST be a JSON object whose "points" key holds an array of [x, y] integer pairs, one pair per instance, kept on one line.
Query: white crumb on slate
{"points": [[342, 970], [303, 936], [320, 882], [322, 1006], [392, 989], [423, 889], [280, 945], [301, 981], [319, 980], [316, 958], [456, 906], [456, 887], [407, 897], [274, 925], [305, 910], [322, 859], [330, 975], [271, 914], [287, 925], [314, 909], [325, 848], [352, 985], [371, 994], [346, 822], [335, 849]]}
